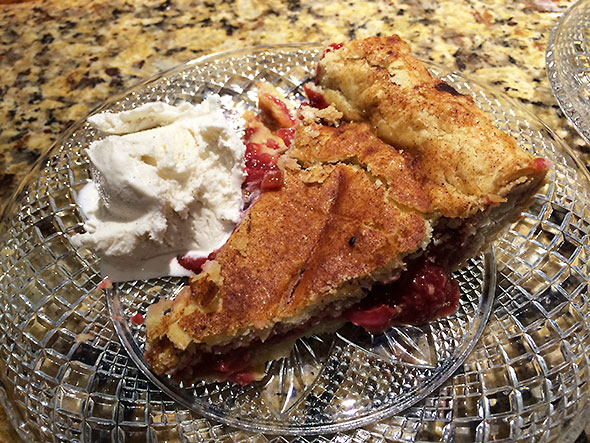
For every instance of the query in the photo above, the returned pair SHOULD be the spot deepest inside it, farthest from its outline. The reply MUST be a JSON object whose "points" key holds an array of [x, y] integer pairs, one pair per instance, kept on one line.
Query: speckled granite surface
{"points": [[60, 59]]}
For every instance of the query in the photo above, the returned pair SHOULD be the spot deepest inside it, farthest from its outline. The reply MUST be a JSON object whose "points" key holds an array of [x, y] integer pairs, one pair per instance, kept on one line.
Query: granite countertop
{"points": [[60, 59]]}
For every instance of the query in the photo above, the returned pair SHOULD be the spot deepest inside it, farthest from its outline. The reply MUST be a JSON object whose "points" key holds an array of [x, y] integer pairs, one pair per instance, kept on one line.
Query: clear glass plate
{"points": [[568, 65], [67, 376], [328, 383]]}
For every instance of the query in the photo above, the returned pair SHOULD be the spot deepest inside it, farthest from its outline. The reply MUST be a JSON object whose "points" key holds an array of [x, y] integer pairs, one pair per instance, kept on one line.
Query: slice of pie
{"points": [[358, 213]]}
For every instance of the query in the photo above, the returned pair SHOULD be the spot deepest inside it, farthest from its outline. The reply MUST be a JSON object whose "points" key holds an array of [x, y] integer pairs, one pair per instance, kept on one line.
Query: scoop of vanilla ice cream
{"points": [[168, 183]]}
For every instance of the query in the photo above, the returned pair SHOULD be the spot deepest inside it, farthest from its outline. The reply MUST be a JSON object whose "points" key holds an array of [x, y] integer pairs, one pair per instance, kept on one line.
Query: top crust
{"points": [[292, 253], [356, 143], [468, 160]]}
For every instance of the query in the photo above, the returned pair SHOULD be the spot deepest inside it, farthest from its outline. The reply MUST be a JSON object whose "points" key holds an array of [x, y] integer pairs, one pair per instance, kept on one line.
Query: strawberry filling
{"points": [[316, 99], [258, 163], [275, 111], [424, 292], [194, 264], [105, 284], [372, 319], [272, 181], [137, 319], [542, 164], [233, 367], [286, 135], [263, 145], [242, 378]]}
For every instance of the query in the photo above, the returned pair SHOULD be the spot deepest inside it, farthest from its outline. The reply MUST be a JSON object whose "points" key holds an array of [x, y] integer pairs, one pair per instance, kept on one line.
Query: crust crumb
{"points": [[329, 115]]}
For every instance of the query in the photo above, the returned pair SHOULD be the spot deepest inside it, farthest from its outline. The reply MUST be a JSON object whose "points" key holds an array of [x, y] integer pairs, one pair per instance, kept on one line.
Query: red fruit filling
{"points": [[331, 47], [316, 99], [267, 135], [286, 135], [242, 378], [105, 284], [272, 181], [249, 133], [258, 163], [374, 319], [137, 319], [424, 292], [275, 111], [233, 367], [195, 264], [272, 144], [542, 164]]}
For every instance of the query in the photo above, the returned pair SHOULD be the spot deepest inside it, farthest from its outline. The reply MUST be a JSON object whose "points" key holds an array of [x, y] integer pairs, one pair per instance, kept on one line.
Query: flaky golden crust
{"points": [[297, 249], [468, 160], [356, 143], [357, 201]]}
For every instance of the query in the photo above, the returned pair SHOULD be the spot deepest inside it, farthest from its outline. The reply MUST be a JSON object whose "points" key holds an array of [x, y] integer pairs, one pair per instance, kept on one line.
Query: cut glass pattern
{"points": [[68, 376]]}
